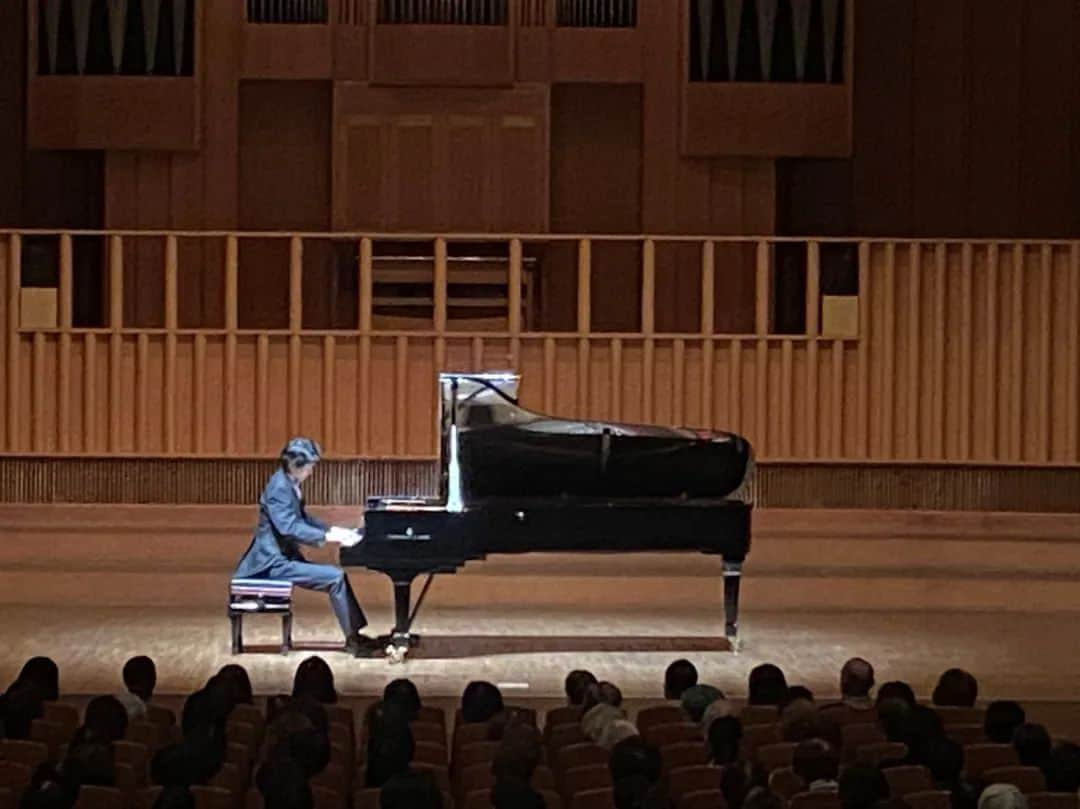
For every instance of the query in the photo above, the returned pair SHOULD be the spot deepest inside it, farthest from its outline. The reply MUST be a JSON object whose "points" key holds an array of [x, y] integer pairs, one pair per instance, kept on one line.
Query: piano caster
{"points": [[398, 647]]}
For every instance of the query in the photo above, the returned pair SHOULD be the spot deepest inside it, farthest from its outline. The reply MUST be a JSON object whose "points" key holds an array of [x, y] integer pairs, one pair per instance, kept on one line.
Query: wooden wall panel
{"points": [[12, 113], [395, 162]]}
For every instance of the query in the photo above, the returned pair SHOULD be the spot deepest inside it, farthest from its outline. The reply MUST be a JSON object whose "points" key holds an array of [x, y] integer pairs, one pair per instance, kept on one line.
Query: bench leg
{"points": [[237, 633], [286, 632]]}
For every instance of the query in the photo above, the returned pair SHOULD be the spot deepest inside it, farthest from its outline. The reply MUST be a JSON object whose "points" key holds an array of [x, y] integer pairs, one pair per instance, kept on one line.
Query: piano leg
{"points": [[402, 604], [732, 577]]}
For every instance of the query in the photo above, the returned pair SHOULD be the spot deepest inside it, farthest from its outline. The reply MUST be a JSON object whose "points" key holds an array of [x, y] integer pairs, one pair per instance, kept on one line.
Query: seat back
{"points": [[659, 735], [208, 797], [91, 797], [755, 736], [324, 797], [431, 713], [252, 715], [660, 715], [430, 732], [562, 715], [32, 754], [843, 715], [775, 756], [1028, 780], [50, 734], [785, 783], [704, 799], [585, 779], [135, 756], [683, 754], [698, 778], [960, 716], [964, 735], [579, 755], [759, 715], [932, 799], [1052, 800], [594, 799], [815, 800], [65, 715], [905, 780], [854, 736], [15, 776], [978, 758], [871, 755], [564, 735], [160, 715]]}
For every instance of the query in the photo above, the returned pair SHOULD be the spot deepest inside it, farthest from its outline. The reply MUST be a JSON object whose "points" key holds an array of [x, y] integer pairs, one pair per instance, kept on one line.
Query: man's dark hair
{"points": [[1002, 719], [725, 734], [410, 790], [314, 678], [767, 685], [403, 693], [1062, 770], [856, 678], [140, 677], [480, 701], [921, 726], [1032, 744], [896, 689], [604, 693], [237, 684], [956, 688], [577, 682], [815, 760], [680, 675], [300, 452], [863, 788], [283, 785], [945, 760]]}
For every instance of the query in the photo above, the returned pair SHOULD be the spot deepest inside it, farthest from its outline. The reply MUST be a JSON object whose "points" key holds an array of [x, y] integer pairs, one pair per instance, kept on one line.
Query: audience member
{"points": [[519, 753], [175, 798], [895, 689], [1002, 796], [920, 726], [45, 676], [1062, 769], [237, 684], [817, 764], [944, 758], [717, 709], [19, 707], [856, 682], [761, 798], [403, 693], [282, 784], [576, 684], [635, 775], [893, 717], [724, 737], [863, 788], [697, 698], [480, 702], [799, 692], [411, 790], [767, 685], [679, 676], [105, 719], [1032, 744], [1002, 719], [390, 743], [315, 679], [602, 706], [140, 679], [956, 688], [616, 731], [510, 793]]}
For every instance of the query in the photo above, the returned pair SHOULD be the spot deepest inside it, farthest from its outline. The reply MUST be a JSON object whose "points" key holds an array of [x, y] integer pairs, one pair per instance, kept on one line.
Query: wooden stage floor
{"points": [[1018, 655]]}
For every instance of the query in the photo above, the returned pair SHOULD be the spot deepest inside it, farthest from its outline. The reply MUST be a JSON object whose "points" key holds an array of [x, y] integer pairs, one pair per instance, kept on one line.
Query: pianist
{"points": [[284, 525]]}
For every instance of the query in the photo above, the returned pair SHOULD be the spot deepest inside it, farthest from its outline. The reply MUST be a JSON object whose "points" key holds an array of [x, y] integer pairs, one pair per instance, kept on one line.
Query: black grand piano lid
{"points": [[505, 450]]}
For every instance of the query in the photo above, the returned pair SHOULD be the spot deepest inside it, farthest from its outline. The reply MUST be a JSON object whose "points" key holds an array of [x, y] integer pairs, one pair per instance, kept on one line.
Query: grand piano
{"points": [[515, 481]]}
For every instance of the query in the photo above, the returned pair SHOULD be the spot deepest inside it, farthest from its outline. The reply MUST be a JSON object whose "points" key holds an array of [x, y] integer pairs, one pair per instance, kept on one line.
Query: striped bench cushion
{"points": [[265, 588]]}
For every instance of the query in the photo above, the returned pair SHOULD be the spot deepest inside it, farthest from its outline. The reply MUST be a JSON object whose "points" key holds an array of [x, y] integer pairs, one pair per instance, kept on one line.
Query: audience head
{"points": [[1002, 796], [43, 674], [762, 798], [863, 788], [815, 760], [299, 457], [1002, 719], [577, 682], [767, 686], [283, 785], [602, 693], [403, 693], [315, 679], [140, 677], [175, 798], [204, 710], [717, 709], [1062, 770], [896, 690], [680, 675], [391, 744], [856, 678], [106, 719], [725, 734], [921, 726], [893, 716], [697, 698], [956, 688], [510, 793], [1032, 744], [799, 692], [410, 790], [480, 701], [237, 683], [634, 757], [308, 749], [944, 758]]}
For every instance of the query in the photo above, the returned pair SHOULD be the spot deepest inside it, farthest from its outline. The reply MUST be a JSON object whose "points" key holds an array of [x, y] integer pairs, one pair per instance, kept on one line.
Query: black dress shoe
{"points": [[361, 645]]}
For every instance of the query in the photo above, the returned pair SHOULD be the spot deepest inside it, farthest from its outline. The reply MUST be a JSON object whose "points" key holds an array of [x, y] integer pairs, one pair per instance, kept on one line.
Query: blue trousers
{"points": [[325, 579]]}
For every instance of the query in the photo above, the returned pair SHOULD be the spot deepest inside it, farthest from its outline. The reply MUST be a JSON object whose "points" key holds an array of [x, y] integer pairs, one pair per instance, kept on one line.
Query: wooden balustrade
{"points": [[960, 352]]}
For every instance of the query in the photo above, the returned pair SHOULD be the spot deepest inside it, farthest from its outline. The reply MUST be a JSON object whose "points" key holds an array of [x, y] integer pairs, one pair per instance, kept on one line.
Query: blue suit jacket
{"points": [[283, 526]]}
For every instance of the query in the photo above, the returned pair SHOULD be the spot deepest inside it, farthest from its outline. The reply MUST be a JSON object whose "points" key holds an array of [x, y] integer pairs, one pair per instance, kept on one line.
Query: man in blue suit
{"points": [[284, 525]]}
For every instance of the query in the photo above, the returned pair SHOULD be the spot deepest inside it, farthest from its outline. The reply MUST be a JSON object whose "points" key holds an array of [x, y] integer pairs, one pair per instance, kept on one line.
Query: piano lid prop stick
{"points": [[420, 600]]}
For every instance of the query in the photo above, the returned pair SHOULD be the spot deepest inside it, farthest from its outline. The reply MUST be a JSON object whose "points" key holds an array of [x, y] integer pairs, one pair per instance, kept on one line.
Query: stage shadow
{"points": [[457, 647]]}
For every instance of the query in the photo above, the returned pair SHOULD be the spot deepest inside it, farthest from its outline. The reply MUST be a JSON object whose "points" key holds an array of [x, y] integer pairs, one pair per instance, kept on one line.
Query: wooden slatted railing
{"points": [[961, 352]]}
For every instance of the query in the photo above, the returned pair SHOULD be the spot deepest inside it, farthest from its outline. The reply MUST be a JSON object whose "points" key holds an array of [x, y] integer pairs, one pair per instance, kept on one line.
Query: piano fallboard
{"points": [[399, 539]]}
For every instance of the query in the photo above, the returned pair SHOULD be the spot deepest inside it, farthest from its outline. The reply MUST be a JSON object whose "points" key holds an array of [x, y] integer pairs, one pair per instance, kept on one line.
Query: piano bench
{"points": [[260, 595]]}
